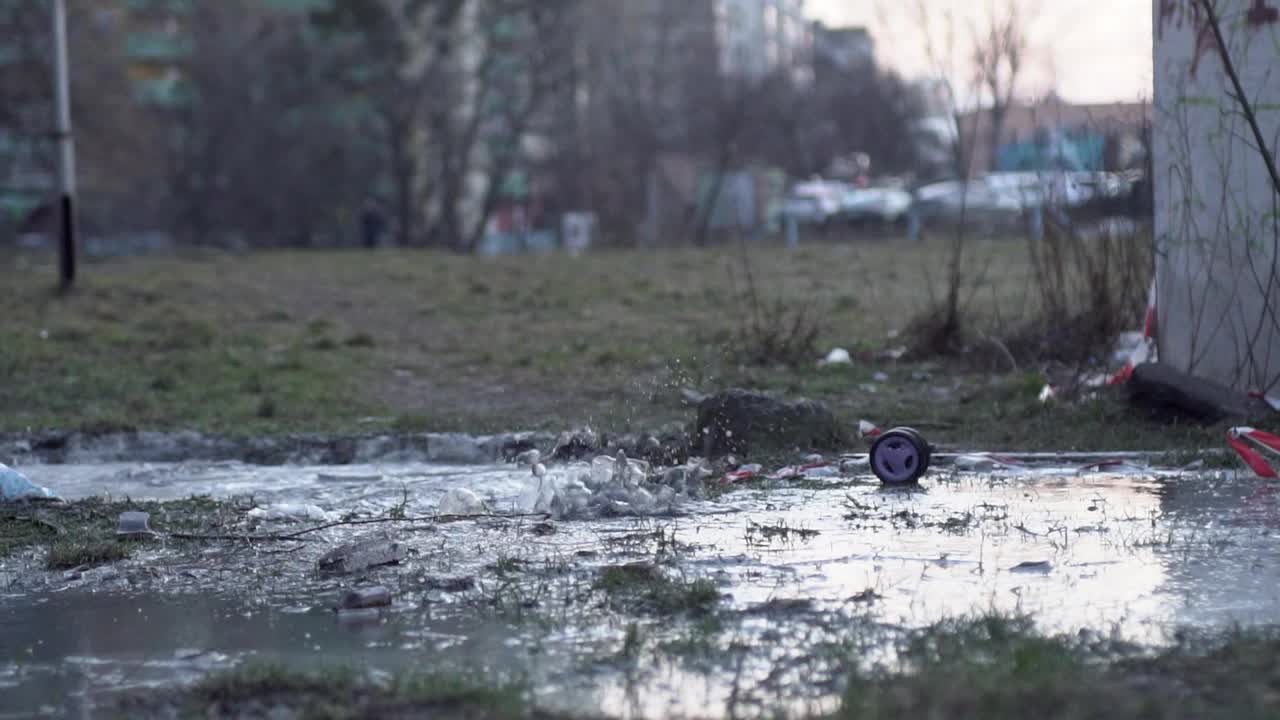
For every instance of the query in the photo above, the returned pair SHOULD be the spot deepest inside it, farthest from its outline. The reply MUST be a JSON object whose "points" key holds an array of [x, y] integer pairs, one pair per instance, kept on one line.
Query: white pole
{"points": [[66, 147]]}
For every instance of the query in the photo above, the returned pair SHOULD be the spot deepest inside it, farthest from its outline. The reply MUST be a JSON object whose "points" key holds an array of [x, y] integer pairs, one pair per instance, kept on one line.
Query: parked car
{"points": [[987, 205], [812, 203], [878, 205]]}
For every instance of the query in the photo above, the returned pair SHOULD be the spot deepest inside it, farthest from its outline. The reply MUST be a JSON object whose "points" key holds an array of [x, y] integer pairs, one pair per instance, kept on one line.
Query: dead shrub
{"points": [[771, 332], [1090, 288]]}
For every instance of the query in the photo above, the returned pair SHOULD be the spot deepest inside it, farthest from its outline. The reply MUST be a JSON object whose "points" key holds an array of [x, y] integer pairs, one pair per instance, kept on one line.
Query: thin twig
{"points": [[1003, 349], [277, 537]]}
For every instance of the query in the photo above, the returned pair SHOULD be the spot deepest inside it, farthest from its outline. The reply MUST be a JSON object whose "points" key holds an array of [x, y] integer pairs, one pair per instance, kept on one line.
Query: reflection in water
{"points": [[70, 645], [1217, 541], [1138, 553]]}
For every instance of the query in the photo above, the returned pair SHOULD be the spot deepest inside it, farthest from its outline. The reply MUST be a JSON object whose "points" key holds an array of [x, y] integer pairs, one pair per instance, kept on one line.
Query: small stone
{"points": [[881, 377], [366, 598], [361, 555], [461, 583]]}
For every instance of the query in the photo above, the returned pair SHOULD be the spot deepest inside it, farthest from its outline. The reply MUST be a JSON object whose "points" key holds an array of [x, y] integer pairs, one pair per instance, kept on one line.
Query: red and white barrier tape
{"points": [[1247, 442]]}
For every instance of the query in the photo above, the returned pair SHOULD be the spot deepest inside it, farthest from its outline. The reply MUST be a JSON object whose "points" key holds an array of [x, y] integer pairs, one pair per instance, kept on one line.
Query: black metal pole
{"points": [[66, 150]]}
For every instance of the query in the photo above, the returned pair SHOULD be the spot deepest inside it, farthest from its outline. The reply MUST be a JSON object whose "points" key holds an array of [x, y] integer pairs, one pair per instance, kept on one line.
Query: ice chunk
{"points": [[291, 511], [460, 501]]}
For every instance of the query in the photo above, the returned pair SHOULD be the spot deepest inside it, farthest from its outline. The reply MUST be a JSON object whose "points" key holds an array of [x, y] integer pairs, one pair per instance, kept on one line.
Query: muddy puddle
{"points": [[813, 574]]}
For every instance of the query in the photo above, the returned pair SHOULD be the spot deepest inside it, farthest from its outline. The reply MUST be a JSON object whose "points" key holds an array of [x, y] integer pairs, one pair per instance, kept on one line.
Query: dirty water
{"points": [[814, 573]]}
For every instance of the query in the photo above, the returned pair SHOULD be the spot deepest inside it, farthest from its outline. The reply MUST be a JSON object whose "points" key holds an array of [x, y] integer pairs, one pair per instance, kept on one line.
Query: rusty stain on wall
{"points": [[1262, 14], [1178, 12]]}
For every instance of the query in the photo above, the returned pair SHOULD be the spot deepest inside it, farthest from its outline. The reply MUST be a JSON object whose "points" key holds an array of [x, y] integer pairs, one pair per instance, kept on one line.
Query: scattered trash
{"points": [[460, 501], [1247, 442], [134, 525], [1047, 393], [15, 486], [867, 430], [900, 456], [745, 472], [361, 555], [792, 472], [291, 511], [838, 356], [1116, 466], [1272, 401], [365, 598], [849, 466], [895, 353], [881, 377], [985, 462], [1135, 348]]}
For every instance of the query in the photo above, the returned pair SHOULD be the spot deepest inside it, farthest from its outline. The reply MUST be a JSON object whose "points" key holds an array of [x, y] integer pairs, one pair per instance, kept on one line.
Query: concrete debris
{"points": [[365, 598], [361, 555]]}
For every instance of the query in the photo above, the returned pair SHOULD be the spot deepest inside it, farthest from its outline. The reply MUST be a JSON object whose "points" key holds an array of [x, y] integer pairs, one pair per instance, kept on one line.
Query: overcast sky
{"points": [[1090, 50]]}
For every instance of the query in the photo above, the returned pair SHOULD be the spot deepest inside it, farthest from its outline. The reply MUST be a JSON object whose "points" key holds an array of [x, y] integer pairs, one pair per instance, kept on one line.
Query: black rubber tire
{"points": [[900, 457]]}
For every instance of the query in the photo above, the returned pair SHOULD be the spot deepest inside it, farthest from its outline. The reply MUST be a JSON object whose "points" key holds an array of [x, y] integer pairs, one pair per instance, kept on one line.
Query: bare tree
{"points": [[106, 119], [999, 57], [394, 55]]}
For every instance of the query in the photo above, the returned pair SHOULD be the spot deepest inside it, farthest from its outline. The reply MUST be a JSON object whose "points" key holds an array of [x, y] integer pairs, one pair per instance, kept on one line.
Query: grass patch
{"points": [[641, 586], [1001, 667], [278, 342], [83, 532], [762, 534], [68, 554], [250, 690]]}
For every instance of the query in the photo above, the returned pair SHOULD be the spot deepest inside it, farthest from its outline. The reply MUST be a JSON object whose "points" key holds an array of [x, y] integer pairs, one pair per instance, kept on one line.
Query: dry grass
{"points": [[412, 340]]}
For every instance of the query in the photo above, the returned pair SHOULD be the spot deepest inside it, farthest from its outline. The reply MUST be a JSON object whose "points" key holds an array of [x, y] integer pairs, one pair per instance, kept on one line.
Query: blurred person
{"points": [[372, 224]]}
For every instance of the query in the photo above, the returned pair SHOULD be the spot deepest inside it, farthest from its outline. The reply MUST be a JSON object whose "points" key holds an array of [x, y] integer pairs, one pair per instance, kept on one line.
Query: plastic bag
{"points": [[15, 486]]}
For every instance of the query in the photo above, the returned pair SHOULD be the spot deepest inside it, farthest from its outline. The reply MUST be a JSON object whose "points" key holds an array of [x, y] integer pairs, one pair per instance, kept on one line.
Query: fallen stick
{"points": [[278, 537]]}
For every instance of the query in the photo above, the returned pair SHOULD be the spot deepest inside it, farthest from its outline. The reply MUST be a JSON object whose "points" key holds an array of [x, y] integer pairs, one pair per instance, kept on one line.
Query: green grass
{"points": [[993, 667], [75, 553], [83, 532], [331, 693], [644, 587], [411, 341], [1000, 667]]}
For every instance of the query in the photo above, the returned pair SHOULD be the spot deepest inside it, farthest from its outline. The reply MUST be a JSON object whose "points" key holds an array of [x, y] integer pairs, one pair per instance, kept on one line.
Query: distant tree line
{"points": [[277, 127]]}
